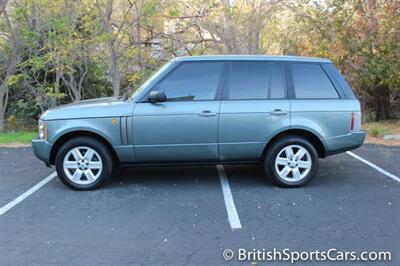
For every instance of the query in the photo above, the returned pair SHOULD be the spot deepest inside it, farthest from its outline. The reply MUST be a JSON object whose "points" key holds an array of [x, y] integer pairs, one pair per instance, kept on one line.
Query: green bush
{"points": [[377, 131]]}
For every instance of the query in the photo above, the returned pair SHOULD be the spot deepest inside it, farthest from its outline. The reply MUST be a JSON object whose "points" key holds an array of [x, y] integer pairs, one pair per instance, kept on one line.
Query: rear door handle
{"points": [[279, 112], [206, 113]]}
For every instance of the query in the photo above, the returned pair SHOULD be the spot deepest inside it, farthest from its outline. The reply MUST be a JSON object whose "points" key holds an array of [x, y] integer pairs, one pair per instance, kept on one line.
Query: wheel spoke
{"points": [[282, 161], [289, 151], [94, 165], [89, 175], [296, 173], [300, 153], [77, 154], [89, 155], [70, 165], [285, 171], [77, 175], [304, 164]]}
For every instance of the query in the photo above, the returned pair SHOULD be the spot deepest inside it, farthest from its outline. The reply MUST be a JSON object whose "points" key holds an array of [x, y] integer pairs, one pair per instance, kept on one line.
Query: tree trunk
{"points": [[72, 87], [2, 111], [10, 68], [53, 102], [3, 102], [4, 89], [382, 106], [138, 42], [116, 78], [106, 11]]}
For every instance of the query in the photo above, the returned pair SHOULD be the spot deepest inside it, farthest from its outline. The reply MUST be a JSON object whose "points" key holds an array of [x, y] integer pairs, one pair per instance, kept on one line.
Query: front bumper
{"points": [[344, 143], [42, 149]]}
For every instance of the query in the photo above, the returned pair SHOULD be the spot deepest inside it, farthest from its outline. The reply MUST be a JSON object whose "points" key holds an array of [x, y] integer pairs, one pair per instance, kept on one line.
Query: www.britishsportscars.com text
{"points": [[293, 256]]}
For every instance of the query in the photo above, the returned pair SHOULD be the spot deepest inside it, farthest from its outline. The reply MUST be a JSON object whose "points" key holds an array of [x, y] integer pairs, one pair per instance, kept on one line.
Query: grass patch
{"points": [[381, 128], [17, 137], [376, 131]]}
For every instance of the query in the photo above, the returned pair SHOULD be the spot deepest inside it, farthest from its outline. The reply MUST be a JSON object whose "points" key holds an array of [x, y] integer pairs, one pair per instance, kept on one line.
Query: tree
{"points": [[9, 59], [105, 9], [362, 38]]}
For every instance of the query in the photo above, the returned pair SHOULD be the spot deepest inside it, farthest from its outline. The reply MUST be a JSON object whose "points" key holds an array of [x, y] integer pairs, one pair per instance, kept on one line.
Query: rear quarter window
{"points": [[334, 73], [311, 82]]}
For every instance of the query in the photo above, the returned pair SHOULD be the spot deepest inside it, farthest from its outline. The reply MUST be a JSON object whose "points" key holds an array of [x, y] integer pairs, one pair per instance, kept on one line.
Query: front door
{"points": [[184, 127]]}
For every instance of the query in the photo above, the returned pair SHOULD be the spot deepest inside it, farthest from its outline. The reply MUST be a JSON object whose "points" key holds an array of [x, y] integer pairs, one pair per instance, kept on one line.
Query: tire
{"points": [[291, 161], [84, 163]]}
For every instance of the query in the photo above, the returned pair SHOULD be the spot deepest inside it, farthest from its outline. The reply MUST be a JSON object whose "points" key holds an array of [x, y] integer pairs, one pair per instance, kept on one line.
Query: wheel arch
{"points": [[312, 137], [79, 133]]}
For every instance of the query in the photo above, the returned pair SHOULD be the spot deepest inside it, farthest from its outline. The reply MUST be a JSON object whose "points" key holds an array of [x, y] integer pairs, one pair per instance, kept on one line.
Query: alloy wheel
{"points": [[82, 165], [293, 163]]}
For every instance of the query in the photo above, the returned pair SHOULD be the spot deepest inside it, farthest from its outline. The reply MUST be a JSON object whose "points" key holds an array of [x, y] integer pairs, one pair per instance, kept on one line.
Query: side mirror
{"points": [[157, 96]]}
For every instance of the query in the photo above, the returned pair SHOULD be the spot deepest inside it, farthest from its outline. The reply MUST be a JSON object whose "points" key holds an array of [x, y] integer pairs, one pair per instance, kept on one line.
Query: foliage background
{"points": [[56, 51]]}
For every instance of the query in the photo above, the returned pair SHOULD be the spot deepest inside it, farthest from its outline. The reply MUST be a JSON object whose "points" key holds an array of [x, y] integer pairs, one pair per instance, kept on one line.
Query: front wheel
{"points": [[84, 163], [291, 162]]}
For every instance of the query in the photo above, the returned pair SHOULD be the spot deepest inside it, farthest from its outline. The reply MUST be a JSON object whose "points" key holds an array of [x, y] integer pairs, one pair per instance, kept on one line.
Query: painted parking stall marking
{"points": [[377, 168], [233, 216], [27, 193]]}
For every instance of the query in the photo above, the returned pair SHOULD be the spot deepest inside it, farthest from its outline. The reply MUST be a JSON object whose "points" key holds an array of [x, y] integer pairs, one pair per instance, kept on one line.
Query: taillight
{"points": [[352, 121]]}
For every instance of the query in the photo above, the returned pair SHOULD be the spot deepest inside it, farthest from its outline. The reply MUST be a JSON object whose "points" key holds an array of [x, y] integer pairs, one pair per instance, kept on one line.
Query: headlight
{"points": [[42, 129]]}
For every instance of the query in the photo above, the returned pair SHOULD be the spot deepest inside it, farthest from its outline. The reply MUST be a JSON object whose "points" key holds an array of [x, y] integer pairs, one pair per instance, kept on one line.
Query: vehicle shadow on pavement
{"points": [[332, 173], [163, 175], [253, 175]]}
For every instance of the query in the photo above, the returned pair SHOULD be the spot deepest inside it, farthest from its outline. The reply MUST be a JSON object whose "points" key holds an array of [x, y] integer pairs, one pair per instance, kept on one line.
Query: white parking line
{"points": [[233, 216], [377, 168], [29, 192]]}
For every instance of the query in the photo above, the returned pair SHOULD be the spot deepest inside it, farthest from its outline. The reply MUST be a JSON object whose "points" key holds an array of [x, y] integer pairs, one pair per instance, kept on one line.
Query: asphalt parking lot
{"points": [[179, 215]]}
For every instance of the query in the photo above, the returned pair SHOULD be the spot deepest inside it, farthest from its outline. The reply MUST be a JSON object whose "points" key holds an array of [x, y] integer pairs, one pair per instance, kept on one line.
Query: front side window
{"points": [[256, 80], [192, 81], [310, 81]]}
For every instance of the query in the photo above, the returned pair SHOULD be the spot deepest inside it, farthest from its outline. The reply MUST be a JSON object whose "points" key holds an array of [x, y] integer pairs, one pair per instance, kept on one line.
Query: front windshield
{"points": [[150, 79]]}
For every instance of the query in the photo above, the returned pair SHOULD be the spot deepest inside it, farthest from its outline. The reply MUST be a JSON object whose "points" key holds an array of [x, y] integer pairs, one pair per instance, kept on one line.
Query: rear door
{"points": [[253, 109], [184, 128]]}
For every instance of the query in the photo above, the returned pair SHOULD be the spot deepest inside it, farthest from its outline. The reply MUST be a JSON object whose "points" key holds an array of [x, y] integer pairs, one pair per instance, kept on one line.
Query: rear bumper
{"points": [[41, 149], [344, 143]]}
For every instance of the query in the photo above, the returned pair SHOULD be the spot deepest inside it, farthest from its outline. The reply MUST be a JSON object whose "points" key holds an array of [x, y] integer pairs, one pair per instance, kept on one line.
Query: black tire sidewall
{"points": [[269, 163], [99, 147]]}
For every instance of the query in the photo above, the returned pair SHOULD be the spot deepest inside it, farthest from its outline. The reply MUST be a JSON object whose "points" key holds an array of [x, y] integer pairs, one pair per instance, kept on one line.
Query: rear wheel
{"points": [[291, 162], [84, 163]]}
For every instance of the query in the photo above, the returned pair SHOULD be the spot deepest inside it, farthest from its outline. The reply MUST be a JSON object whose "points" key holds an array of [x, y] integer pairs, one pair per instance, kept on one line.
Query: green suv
{"points": [[282, 111]]}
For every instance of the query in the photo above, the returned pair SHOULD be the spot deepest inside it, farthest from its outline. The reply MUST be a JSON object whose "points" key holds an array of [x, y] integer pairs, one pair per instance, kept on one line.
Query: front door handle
{"points": [[206, 113], [279, 112]]}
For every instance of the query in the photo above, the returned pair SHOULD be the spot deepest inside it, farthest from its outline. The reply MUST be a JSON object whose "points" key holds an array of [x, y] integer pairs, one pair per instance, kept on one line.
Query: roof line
{"points": [[252, 57]]}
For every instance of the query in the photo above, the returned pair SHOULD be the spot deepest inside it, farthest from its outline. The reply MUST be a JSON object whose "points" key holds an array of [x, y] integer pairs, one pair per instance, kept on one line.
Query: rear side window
{"points": [[310, 81], [195, 81], [256, 80]]}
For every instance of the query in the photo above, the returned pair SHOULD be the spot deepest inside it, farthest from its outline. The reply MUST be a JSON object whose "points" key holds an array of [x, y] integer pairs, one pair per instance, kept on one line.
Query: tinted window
{"points": [[256, 80], [248, 81], [192, 82], [340, 79], [310, 81]]}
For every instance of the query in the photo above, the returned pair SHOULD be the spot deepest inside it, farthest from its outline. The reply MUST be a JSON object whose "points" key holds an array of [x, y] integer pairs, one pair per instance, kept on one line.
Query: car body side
{"points": [[240, 132]]}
